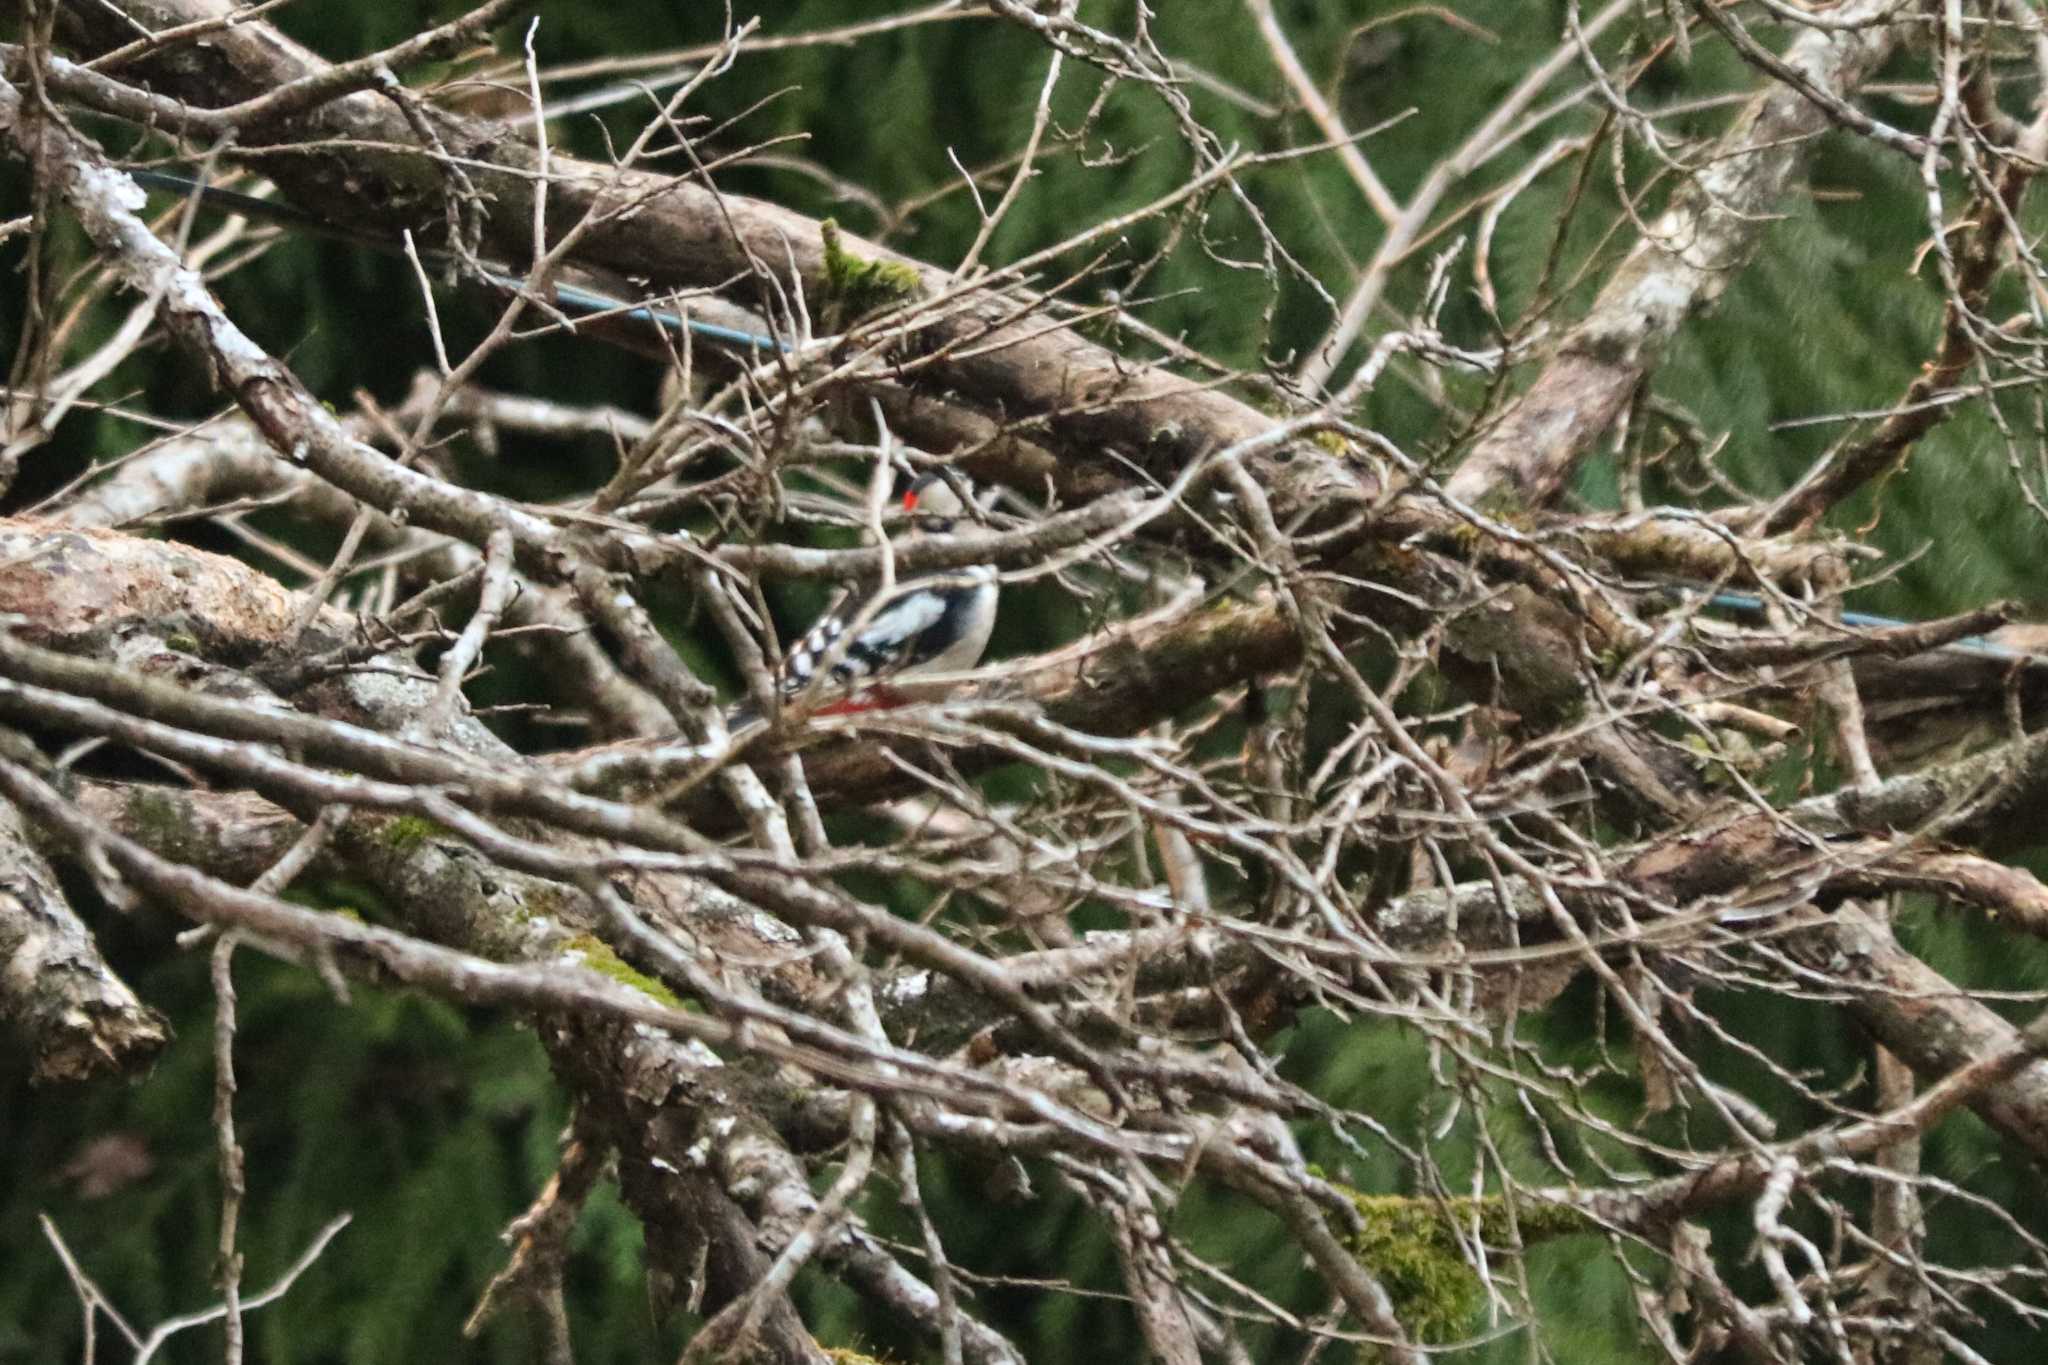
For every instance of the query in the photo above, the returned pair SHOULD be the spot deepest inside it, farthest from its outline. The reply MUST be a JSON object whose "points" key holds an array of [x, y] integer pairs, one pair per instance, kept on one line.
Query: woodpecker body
{"points": [[859, 656], [938, 624]]}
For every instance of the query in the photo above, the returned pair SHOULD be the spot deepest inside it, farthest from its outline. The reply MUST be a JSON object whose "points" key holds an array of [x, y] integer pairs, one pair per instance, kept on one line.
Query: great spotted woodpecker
{"points": [[858, 655]]}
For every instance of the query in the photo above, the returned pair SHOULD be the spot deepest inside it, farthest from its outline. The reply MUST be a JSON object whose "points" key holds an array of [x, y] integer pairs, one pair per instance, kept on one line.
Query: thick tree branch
{"points": [[682, 234], [1715, 223], [59, 1000]]}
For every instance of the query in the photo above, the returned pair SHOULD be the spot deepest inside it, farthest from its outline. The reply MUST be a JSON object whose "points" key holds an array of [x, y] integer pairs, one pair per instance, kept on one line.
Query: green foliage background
{"points": [[435, 1126]]}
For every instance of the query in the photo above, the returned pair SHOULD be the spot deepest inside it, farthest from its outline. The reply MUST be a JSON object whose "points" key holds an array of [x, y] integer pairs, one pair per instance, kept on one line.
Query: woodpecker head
{"points": [[937, 501]]}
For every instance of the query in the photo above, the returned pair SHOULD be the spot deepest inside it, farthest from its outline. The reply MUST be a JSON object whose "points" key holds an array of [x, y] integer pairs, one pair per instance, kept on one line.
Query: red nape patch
{"points": [[873, 699]]}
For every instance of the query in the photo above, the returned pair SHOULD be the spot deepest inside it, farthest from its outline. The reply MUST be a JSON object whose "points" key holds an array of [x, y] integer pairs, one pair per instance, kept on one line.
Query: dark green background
{"points": [[435, 1126]]}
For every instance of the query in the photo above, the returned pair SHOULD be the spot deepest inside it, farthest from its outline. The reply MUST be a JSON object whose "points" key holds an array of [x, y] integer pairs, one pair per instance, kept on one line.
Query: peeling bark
{"points": [[58, 998], [1716, 222]]}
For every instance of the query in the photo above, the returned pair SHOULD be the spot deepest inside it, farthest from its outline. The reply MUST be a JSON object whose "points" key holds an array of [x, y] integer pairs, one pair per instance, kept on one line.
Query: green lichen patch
{"points": [[598, 956], [1410, 1245], [407, 832], [856, 286]]}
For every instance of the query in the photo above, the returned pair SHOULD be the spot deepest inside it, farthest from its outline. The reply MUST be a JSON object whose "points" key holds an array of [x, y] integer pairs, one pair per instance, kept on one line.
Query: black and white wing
{"points": [[929, 625]]}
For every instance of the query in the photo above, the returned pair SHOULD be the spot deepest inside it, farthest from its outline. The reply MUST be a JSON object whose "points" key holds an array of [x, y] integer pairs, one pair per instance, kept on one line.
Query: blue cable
{"points": [[589, 303], [1752, 605], [574, 299]]}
